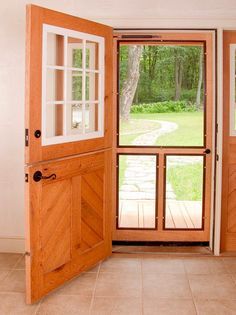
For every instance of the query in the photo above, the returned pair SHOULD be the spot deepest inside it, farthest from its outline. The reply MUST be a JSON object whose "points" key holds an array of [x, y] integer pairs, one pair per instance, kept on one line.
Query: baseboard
{"points": [[12, 244]]}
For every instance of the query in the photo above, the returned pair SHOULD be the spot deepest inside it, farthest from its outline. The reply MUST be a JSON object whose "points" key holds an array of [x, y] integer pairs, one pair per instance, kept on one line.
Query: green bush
{"points": [[164, 107]]}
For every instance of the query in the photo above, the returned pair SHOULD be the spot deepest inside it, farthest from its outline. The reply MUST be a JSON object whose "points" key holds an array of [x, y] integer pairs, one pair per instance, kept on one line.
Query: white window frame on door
{"points": [[232, 90], [91, 111], [68, 135]]}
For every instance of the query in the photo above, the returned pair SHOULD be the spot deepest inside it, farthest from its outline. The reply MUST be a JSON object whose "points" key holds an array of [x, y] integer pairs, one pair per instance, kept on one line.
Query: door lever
{"points": [[207, 151], [38, 176]]}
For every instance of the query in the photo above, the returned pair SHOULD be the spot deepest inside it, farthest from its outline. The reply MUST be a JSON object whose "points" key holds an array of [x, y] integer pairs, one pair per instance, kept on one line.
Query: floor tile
{"points": [[216, 307], [230, 264], [166, 286], [168, 307], [162, 265], [212, 286], [116, 306], [8, 261], [3, 274], [14, 304], [118, 284], [20, 264], [65, 305], [14, 282], [94, 268], [114, 264], [83, 285], [204, 266]]}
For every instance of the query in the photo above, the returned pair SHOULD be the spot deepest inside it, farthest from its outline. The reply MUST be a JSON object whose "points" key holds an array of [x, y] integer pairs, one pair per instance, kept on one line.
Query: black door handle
{"points": [[207, 151], [38, 176]]}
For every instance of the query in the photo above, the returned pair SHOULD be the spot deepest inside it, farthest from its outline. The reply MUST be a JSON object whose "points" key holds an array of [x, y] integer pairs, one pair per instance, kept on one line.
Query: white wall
{"points": [[122, 13]]}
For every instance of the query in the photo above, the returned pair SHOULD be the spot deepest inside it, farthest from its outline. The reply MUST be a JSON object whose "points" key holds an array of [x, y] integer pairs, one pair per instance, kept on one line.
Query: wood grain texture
{"points": [[68, 227], [55, 224], [160, 234], [228, 221], [36, 17], [68, 221]]}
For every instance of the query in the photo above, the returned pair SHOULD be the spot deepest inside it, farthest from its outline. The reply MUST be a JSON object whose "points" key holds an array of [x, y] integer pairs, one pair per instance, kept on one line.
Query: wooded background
{"points": [[151, 74]]}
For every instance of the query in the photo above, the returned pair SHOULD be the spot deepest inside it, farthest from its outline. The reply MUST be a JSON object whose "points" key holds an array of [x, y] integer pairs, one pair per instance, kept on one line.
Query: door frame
{"points": [[144, 32]]}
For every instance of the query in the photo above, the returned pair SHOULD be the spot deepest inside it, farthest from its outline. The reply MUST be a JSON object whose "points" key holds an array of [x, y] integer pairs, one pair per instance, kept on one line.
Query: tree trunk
{"points": [[198, 96], [131, 82], [178, 76]]}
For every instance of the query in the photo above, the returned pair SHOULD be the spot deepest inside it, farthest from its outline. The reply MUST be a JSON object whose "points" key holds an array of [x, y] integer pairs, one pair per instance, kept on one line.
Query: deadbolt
{"points": [[37, 133]]}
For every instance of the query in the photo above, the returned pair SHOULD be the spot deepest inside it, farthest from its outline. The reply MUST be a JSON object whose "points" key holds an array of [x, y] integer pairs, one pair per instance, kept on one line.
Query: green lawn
{"points": [[122, 168], [189, 132], [186, 181], [134, 128]]}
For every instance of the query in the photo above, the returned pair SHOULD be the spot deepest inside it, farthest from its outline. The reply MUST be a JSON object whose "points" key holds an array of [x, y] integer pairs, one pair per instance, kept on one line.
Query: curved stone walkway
{"points": [[138, 191], [139, 177], [150, 138]]}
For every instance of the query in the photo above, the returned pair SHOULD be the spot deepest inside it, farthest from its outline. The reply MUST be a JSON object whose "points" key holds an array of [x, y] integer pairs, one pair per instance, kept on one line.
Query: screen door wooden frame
{"points": [[161, 234]]}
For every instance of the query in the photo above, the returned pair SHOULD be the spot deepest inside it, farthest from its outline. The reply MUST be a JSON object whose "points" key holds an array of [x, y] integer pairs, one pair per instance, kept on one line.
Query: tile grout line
{"points": [[94, 289], [194, 303], [18, 260], [38, 306]]}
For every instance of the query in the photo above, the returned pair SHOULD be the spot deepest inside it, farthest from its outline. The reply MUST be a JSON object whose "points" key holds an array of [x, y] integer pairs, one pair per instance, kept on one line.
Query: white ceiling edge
{"points": [[198, 23]]}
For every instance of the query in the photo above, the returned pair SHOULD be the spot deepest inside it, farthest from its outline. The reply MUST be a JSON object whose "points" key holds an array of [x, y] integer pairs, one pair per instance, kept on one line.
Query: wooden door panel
{"points": [[36, 18], [232, 199], [228, 222], [68, 219], [55, 224]]}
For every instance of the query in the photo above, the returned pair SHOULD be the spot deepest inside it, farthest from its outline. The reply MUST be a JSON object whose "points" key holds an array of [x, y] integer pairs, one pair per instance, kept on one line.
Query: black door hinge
{"points": [[26, 178], [26, 137]]}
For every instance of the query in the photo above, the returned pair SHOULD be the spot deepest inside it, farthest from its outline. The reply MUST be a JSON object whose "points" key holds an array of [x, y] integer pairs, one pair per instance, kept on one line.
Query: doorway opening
{"points": [[164, 137]]}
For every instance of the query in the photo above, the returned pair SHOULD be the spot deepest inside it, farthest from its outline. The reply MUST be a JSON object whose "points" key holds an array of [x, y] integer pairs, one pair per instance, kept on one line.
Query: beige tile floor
{"points": [[130, 285]]}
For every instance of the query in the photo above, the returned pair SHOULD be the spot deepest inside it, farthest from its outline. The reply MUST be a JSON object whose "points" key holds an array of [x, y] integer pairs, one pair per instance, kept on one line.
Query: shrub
{"points": [[164, 107]]}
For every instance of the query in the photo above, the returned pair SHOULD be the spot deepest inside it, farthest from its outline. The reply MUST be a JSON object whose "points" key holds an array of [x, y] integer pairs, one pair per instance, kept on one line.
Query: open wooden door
{"points": [[228, 222], [68, 147]]}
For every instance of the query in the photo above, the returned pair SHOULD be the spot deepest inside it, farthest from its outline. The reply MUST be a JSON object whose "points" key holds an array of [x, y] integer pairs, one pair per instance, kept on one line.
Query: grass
{"points": [[134, 128], [186, 181], [189, 132], [122, 168]]}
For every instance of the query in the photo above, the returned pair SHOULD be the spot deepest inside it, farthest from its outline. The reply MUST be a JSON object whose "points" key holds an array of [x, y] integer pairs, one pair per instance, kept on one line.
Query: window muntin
{"points": [[72, 86]]}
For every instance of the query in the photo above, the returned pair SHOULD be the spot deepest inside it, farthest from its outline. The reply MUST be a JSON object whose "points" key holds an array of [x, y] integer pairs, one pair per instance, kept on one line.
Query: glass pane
{"points": [[91, 117], [54, 120], [74, 85], [161, 95], [92, 53], [184, 192], [76, 118], [54, 85], [137, 191], [75, 52], [55, 49], [91, 86]]}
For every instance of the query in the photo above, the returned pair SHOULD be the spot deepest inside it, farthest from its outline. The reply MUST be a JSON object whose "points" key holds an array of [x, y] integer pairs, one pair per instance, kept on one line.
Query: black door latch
{"points": [[38, 176]]}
